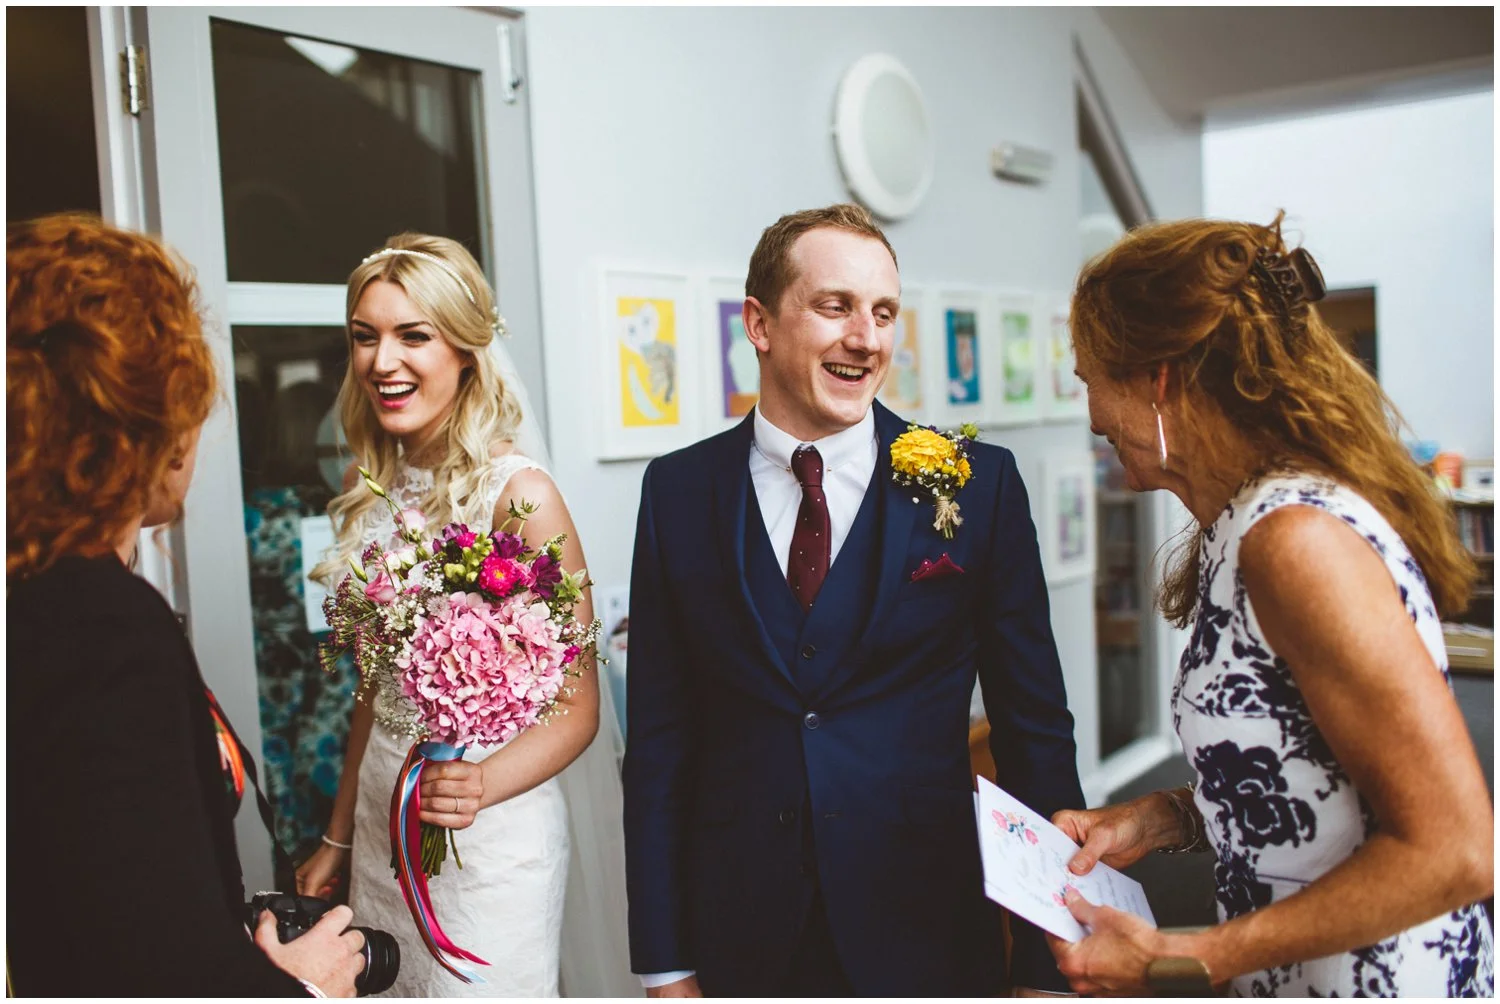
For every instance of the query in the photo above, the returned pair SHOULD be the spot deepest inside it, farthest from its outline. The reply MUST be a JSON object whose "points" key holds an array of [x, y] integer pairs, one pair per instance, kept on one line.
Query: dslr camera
{"points": [[295, 914]]}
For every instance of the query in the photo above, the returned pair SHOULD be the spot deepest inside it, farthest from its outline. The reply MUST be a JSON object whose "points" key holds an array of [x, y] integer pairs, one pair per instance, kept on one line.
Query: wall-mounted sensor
{"points": [[1015, 162]]}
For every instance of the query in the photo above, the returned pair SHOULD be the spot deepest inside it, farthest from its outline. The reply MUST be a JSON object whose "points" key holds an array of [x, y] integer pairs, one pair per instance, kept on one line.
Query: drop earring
{"points": [[1161, 436]]}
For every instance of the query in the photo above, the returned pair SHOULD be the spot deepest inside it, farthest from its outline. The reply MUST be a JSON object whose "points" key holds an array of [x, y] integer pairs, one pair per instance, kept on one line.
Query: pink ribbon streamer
{"points": [[406, 847]]}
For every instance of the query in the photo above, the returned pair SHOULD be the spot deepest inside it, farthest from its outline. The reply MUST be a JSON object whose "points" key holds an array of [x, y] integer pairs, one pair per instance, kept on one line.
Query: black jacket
{"points": [[122, 874]]}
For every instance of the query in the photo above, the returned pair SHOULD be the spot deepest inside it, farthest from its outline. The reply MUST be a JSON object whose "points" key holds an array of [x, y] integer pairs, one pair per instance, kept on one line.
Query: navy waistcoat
{"points": [[812, 643]]}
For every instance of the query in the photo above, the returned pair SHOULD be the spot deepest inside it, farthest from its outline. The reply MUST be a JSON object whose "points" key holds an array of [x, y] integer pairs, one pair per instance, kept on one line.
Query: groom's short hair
{"points": [[771, 270]]}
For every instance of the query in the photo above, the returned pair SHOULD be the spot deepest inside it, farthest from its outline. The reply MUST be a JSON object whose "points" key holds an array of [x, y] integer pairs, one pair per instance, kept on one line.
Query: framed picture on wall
{"points": [[1064, 395], [648, 343], [1067, 529], [1016, 358], [959, 317], [732, 370], [905, 389]]}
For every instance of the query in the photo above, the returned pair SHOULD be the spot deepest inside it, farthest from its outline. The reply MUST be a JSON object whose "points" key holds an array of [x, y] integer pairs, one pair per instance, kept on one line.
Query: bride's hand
{"points": [[452, 793], [320, 873]]}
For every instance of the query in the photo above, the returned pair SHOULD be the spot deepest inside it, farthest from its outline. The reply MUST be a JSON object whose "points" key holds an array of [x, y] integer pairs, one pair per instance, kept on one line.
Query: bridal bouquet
{"points": [[477, 632]]}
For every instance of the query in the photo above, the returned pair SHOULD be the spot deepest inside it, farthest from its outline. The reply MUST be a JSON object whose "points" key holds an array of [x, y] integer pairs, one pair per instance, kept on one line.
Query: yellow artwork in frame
{"points": [[649, 374]]}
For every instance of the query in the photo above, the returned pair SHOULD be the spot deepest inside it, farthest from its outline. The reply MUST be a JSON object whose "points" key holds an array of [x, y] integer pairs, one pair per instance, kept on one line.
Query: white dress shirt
{"points": [[848, 464], [849, 459]]}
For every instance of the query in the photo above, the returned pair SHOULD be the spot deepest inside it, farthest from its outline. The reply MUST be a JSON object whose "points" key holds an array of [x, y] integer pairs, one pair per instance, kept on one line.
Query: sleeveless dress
{"points": [[506, 903], [1277, 805]]}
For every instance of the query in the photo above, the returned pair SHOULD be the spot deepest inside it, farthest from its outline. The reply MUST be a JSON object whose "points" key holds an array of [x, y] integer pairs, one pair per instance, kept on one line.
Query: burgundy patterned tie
{"points": [[807, 564]]}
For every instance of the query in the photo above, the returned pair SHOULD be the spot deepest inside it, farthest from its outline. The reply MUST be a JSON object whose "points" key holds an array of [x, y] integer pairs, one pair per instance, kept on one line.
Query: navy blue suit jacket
{"points": [[720, 757]]}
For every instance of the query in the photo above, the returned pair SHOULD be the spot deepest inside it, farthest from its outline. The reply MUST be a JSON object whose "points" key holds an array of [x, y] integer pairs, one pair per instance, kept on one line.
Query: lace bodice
{"points": [[410, 487]]}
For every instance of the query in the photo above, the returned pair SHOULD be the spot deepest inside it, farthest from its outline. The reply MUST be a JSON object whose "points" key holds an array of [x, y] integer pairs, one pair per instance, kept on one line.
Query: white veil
{"points": [[595, 940]]}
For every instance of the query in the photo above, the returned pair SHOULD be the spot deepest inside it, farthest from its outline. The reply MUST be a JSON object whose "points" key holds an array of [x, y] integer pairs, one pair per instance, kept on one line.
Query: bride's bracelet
{"points": [[334, 843]]}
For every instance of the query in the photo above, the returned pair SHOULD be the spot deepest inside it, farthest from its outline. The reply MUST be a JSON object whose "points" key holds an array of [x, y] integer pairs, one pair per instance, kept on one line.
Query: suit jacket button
{"points": [[811, 720], [788, 815], [808, 651]]}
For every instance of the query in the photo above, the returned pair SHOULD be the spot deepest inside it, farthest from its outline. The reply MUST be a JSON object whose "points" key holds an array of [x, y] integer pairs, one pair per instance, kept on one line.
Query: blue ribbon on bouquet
{"points": [[406, 848]]}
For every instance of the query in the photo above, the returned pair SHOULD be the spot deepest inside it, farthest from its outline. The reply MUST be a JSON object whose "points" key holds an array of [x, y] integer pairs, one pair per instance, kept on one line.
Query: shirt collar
{"points": [[836, 450]]}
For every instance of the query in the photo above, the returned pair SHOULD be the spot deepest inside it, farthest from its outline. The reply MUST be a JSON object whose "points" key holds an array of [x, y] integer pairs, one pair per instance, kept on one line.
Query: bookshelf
{"points": [[1122, 607], [1470, 637]]}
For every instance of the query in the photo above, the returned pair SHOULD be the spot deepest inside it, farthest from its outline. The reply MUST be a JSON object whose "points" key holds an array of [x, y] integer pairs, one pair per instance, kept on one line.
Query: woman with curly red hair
{"points": [[1336, 783], [108, 381]]}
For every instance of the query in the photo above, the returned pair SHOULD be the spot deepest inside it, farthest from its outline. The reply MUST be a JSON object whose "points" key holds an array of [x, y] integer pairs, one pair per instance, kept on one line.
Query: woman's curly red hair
{"points": [[106, 371]]}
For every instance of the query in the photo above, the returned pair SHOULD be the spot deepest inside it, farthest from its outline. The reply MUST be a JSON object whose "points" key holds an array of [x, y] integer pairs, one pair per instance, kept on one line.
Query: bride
{"points": [[427, 409]]}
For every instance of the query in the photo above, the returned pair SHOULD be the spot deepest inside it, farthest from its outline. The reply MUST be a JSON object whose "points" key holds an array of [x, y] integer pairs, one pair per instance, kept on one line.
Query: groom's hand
{"points": [[687, 987]]}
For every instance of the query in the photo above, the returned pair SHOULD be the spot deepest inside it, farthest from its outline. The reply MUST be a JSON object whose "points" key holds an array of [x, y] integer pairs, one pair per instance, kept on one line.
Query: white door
{"points": [[279, 146]]}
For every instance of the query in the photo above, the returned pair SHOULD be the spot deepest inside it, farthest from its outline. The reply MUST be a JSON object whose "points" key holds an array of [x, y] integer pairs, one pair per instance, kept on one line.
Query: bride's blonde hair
{"points": [[445, 283]]}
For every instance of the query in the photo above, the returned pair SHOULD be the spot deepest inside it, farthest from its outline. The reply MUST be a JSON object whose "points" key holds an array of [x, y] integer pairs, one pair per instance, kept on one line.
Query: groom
{"points": [[799, 816]]}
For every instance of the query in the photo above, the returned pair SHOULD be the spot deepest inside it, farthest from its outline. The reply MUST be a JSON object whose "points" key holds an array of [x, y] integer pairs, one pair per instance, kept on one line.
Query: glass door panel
{"points": [[286, 380], [326, 150]]}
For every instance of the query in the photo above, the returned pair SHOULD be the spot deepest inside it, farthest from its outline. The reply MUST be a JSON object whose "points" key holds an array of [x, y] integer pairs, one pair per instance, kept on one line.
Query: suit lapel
{"points": [[731, 493], [900, 517]]}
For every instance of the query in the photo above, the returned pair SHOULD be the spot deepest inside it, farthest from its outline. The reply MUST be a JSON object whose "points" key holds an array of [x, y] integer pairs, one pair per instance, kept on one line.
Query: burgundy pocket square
{"points": [[930, 569]]}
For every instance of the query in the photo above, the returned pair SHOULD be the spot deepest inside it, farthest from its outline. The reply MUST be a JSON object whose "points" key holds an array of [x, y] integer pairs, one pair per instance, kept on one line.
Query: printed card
{"points": [[1026, 867]]}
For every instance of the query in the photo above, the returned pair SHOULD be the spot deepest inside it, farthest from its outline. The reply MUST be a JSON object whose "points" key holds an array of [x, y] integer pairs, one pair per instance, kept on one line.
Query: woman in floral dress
{"points": [[1336, 782]]}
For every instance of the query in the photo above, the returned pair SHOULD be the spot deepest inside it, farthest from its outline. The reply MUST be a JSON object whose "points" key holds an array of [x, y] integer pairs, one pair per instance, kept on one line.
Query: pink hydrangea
{"points": [[482, 671]]}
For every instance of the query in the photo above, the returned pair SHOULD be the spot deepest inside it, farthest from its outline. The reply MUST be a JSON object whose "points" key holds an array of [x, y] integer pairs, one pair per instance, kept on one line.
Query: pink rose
{"points": [[380, 589]]}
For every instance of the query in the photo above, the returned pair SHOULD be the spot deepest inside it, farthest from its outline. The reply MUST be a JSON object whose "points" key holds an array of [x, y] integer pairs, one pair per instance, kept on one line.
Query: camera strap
{"points": [[285, 870]]}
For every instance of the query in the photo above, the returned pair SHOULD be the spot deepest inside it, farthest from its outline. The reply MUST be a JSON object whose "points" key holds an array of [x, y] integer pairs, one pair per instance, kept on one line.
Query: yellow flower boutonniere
{"points": [[937, 463]]}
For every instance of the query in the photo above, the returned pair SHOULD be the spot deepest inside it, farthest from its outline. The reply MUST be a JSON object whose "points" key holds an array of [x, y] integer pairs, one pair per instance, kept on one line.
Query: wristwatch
{"points": [[1179, 976]]}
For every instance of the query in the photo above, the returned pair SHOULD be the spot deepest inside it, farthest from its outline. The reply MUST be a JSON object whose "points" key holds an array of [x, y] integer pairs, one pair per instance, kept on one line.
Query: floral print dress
{"points": [[1278, 807]]}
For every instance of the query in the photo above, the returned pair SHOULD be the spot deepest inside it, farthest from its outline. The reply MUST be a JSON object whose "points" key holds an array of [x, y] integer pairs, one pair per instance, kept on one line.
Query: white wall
{"points": [[673, 136], [1400, 198]]}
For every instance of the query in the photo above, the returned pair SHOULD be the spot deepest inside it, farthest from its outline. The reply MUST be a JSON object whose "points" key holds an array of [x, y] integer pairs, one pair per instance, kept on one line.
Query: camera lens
{"points": [[295, 914], [382, 961]]}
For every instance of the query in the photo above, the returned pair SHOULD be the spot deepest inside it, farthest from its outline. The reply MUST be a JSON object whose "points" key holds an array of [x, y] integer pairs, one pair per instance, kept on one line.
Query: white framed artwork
{"points": [[649, 357], [731, 369], [957, 319], [907, 388], [1067, 528], [1064, 395], [1015, 356]]}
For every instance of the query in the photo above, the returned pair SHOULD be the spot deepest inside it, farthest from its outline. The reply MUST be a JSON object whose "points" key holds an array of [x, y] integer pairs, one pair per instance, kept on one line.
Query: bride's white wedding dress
{"points": [[506, 904]]}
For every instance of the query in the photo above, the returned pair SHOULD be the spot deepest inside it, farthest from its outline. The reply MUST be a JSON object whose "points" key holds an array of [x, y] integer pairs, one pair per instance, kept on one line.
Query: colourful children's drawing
{"points": [[902, 392], [963, 356], [738, 364], [1018, 357], [1066, 387], [647, 332]]}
